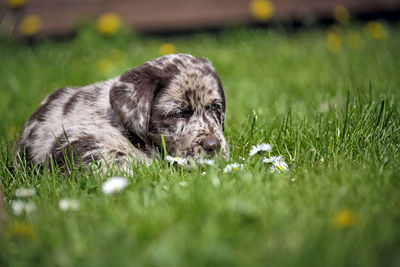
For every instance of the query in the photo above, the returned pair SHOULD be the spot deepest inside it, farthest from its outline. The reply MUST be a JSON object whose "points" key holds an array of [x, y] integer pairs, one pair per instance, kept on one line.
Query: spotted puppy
{"points": [[179, 97]]}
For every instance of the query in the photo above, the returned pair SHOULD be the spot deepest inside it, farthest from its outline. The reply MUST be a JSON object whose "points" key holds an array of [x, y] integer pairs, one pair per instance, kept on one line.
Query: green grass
{"points": [[334, 117]]}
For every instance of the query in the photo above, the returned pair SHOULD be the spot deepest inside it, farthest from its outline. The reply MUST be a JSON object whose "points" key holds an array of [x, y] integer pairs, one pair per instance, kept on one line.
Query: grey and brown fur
{"points": [[178, 96]]}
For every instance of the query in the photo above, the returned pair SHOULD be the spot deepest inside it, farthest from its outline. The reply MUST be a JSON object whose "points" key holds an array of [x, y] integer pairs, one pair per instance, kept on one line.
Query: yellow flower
{"points": [[343, 218], [16, 3], [105, 66], [353, 39], [12, 130], [341, 14], [334, 42], [108, 23], [262, 9], [30, 25], [167, 48], [108, 64], [376, 30], [336, 29], [21, 229], [117, 55]]}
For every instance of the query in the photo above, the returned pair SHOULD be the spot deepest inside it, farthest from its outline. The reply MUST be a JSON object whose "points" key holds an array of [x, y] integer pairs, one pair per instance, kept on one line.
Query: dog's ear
{"points": [[132, 99]]}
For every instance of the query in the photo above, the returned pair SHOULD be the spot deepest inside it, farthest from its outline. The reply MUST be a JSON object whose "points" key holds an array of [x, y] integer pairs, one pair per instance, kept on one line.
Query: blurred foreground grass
{"points": [[327, 100]]}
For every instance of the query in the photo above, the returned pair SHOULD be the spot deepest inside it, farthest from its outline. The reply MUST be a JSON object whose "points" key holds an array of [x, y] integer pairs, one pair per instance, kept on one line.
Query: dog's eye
{"points": [[178, 115], [181, 114], [215, 107]]}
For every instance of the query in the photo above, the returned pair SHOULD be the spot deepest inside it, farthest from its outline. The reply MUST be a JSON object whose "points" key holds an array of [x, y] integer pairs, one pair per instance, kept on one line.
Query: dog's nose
{"points": [[210, 145]]}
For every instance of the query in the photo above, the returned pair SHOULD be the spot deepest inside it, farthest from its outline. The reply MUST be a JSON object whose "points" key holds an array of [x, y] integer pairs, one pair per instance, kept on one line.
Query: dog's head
{"points": [[179, 97]]}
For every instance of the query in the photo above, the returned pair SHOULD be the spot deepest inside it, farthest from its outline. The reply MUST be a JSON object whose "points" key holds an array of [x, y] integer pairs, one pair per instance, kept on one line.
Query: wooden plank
{"points": [[60, 16]]}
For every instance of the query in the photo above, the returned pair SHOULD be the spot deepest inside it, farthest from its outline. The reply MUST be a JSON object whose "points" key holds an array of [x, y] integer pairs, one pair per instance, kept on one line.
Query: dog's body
{"points": [[179, 97]]}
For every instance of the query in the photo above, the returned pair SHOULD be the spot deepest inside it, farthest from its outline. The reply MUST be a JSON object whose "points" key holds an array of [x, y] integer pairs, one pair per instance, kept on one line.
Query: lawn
{"points": [[326, 99]]}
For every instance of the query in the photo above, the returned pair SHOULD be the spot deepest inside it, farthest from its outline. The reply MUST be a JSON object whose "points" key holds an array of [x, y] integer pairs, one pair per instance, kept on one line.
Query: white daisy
{"points": [[233, 167], [66, 204], [278, 163], [177, 160], [206, 162], [25, 192], [215, 181], [29, 207], [272, 159], [260, 147], [183, 183], [20, 207], [114, 185]]}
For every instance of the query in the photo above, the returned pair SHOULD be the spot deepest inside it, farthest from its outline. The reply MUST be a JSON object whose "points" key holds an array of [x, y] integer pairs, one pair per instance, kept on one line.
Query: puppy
{"points": [[175, 99]]}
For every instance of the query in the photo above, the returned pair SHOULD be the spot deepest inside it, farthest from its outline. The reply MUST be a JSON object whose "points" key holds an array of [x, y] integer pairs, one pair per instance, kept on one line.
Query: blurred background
{"points": [[61, 18]]}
